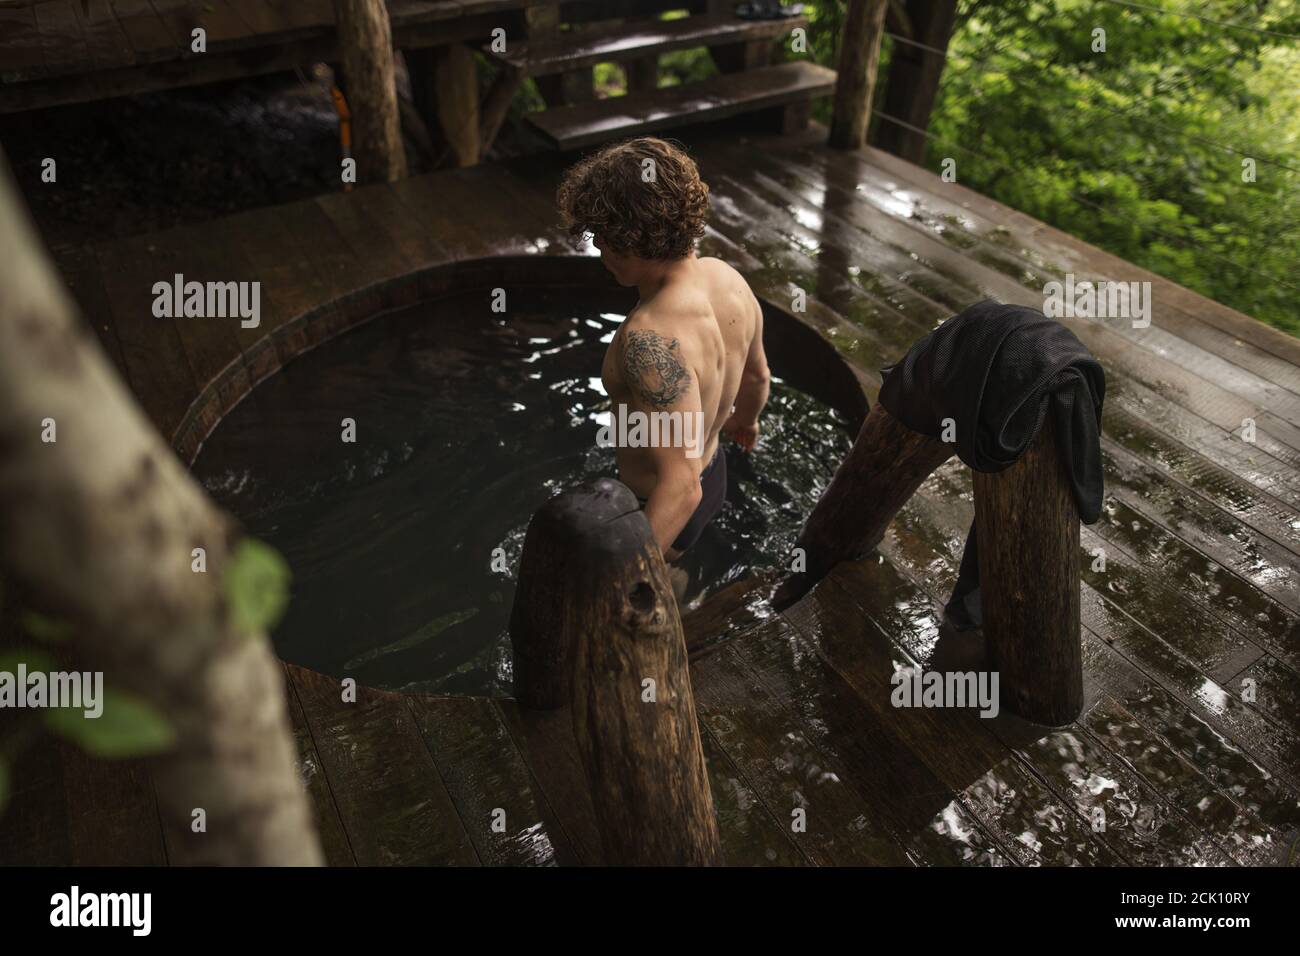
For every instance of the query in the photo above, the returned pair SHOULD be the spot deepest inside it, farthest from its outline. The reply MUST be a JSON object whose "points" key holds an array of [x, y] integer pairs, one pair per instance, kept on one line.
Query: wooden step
{"points": [[718, 97], [630, 41]]}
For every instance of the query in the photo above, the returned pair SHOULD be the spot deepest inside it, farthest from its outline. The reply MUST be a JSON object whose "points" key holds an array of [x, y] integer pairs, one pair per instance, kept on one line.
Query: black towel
{"points": [[996, 370]]}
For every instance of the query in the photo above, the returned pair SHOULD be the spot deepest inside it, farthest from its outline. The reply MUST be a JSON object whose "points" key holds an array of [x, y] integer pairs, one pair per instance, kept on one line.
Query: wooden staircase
{"points": [[562, 48]]}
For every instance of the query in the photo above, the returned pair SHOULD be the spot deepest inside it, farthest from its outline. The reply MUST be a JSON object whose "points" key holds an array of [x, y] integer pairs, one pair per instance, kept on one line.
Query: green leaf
{"points": [[46, 629], [127, 727], [256, 585]]}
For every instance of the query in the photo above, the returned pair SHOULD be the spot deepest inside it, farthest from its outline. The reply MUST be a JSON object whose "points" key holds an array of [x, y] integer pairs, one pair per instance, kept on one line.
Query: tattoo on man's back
{"points": [[653, 367]]}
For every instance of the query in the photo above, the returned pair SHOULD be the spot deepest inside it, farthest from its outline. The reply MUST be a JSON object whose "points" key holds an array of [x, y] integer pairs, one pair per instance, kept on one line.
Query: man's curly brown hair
{"points": [[608, 195]]}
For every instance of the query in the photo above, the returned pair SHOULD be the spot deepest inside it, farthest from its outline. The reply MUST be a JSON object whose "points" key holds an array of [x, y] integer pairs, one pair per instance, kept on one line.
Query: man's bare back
{"points": [[690, 356], [690, 348]]}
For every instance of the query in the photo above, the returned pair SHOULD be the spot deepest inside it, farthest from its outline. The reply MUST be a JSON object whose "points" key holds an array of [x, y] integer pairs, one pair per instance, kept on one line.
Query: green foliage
{"points": [[256, 584], [1118, 147], [128, 727]]}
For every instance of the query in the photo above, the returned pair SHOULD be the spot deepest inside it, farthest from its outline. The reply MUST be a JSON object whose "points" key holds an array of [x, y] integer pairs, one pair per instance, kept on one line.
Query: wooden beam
{"points": [[914, 75], [1027, 535], [855, 81], [444, 87], [883, 469], [366, 54]]}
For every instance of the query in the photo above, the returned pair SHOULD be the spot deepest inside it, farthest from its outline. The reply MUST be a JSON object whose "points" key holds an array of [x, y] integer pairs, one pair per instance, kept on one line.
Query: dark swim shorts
{"points": [[713, 485]]}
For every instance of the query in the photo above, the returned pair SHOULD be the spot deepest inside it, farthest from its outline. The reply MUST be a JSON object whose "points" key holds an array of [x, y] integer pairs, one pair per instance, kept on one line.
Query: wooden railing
{"points": [[595, 627], [1028, 549]]}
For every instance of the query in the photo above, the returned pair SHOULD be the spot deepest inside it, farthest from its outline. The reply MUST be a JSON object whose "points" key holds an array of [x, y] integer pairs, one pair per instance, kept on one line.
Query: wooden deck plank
{"points": [[1244, 550], [149, 37], [1276, 519], [62, 39], [932, 543], [545, 738], [1023, 816], [1226, 411], [847, 175], [157, 367], [487, 779], [79, 267], [787, 770], [1170, 654], [1177, 363], [750, 835], [878, 753], [390, 797], [1237, 831], [34, 826], [910, 614], [23, 46], [329, 825], [1244, 607], [1140, 588], [211, 343], [105, 38], [1133, 816], [1066, 248], [112, 813]]}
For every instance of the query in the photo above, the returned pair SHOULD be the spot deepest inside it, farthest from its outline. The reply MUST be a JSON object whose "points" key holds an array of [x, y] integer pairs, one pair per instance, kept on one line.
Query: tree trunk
{"points": [[913, 80], [855, 79], [885, 466], [366, 54], [1027, 537], [101, 523], [595, 608]]}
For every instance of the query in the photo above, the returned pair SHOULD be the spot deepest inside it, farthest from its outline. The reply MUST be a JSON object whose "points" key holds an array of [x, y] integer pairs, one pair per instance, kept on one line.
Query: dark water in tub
{"points": [[466, 421]]}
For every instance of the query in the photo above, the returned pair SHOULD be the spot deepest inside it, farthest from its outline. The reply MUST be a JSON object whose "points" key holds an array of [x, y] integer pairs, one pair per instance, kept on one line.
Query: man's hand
{"points": [[744, 434]]}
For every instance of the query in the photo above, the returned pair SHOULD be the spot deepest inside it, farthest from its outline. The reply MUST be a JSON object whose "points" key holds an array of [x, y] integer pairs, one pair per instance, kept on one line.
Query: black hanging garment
{"points": [[996, 370]]}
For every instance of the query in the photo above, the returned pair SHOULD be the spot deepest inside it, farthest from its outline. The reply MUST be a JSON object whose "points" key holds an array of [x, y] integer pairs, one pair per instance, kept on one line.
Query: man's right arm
{"points": [[755, 382]]}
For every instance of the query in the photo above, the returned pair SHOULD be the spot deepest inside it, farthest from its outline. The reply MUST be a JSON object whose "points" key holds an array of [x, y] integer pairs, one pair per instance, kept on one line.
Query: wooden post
{"points": [[1027, 536], [444, 88], [594, 602], [366, 53], [885, 466], [543, 20], [913, 80], [855, 81]]}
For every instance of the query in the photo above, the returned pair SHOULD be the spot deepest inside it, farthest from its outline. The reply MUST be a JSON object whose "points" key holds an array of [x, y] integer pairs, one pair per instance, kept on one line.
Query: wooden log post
{"points": [[855, 79], [594, 603], [885, 466], [366, 53], [1027, 537], [543, 21], [913, 80], [444, 89]]}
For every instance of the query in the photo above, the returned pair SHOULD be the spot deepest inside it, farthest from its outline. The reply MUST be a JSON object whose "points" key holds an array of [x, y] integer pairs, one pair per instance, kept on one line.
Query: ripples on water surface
{"points": [[466, 421]]}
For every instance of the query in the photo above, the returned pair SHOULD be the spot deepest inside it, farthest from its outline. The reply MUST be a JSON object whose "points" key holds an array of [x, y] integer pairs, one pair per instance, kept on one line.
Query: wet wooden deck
{"points": [[1199, 594]]}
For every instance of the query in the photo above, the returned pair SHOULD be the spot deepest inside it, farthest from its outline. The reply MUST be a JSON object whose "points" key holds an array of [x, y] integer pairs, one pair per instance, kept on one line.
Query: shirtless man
{"points": [[694, 343]]}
